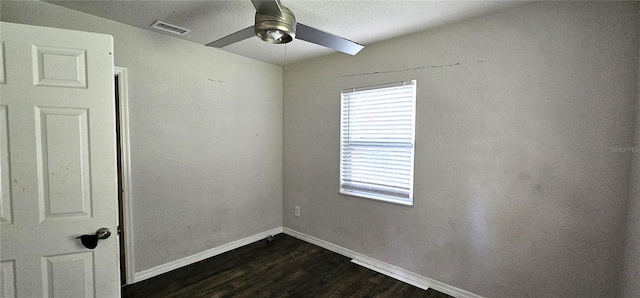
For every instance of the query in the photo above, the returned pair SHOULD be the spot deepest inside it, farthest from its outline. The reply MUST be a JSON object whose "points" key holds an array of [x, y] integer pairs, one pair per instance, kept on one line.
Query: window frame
{"points": [[373, 195]]}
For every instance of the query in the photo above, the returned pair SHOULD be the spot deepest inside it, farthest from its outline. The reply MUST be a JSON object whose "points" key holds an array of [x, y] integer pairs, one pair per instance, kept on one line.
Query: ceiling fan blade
{"points": [[270, 7], [328, 40], [233, 38]]}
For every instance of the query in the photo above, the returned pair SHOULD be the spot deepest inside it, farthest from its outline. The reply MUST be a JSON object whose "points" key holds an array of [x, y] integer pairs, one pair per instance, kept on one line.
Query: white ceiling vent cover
{"points": [[169, 28]]}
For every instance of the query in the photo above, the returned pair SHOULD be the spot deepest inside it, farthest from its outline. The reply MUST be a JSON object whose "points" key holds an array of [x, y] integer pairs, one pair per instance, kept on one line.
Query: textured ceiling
{"points": [[363, 21]]}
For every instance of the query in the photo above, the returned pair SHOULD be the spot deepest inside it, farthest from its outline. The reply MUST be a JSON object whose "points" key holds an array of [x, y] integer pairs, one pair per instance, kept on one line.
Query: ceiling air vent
{"points": [[169, 28]]}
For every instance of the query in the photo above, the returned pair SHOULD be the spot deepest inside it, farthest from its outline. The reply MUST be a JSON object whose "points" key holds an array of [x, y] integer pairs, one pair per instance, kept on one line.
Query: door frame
{"points": [[123, 96]]}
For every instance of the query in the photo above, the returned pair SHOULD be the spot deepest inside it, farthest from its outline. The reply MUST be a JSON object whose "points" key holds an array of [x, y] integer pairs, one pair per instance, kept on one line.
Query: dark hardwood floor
{"points": [[285, 267]]}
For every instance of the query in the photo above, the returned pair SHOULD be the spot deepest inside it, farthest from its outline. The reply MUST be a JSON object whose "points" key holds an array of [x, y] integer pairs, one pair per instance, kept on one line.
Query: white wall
{"points": [[631, 275], [517, 190], [206, 136]]}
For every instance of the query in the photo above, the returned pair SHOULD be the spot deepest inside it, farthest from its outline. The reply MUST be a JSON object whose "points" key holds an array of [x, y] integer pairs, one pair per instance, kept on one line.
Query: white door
{"points": [[58, 163]]}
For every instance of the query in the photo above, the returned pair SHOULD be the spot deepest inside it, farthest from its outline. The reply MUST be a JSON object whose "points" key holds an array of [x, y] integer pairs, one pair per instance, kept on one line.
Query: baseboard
{"points": [[385, 268], [155, 271]]}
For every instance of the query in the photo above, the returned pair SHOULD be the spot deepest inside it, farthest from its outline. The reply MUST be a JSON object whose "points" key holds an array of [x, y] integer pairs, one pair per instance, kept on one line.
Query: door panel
{"points": [[58, 163], [64, 180], [7, 278], [76, 266], [57, 66], [5, 183]]}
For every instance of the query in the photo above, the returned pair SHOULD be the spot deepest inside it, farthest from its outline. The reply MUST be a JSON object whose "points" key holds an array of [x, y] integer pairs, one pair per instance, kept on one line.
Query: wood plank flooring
{"points": [[285, 267]]}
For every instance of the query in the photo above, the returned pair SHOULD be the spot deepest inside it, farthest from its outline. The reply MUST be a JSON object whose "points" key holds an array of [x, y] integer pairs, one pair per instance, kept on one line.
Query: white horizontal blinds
{"points": [[378, 141]]}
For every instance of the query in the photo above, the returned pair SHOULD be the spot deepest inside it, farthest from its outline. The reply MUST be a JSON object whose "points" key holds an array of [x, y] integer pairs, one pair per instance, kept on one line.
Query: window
{"points": [[377, 142]]}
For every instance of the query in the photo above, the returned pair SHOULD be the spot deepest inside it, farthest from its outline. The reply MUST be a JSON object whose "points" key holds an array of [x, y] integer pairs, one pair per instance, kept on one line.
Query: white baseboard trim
{"points": [[155, 271], [385, 268]]}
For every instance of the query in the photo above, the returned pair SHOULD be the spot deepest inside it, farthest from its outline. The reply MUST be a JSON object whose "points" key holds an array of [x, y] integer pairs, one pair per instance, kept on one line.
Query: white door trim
{"points": [[123, 95]]}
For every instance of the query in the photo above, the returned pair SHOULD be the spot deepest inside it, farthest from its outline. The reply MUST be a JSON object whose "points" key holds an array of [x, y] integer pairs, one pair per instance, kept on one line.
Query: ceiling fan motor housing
{"points": [[276, 29]]}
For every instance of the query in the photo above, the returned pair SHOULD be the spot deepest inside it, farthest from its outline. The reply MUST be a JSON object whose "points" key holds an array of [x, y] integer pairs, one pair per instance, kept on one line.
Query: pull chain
{"points": [[285, 56]]}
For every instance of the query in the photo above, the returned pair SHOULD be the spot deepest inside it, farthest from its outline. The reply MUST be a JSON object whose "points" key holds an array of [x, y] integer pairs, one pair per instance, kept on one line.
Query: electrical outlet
{"points": [[297, 211]]}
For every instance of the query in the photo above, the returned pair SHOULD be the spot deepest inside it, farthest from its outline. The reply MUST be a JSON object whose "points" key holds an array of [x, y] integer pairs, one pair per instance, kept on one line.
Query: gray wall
{"points": [[206, 149], [517, 190], [630, 281]]}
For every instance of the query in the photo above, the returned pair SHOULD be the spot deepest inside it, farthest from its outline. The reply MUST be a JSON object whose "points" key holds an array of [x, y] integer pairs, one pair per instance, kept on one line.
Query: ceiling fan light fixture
{"points": [[276, 29], [275, 34]]}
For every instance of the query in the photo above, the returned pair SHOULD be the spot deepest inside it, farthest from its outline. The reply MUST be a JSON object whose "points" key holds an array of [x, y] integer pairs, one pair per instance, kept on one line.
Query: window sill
{"points": [[379, 198]]}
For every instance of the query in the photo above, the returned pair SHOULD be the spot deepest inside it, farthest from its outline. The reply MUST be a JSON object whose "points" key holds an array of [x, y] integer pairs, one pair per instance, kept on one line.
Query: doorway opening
{"points": [[125, 227]]}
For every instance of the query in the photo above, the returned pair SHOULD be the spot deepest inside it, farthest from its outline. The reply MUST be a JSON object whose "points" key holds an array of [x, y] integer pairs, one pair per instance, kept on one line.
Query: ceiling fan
{"points": [[276, 24]]}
